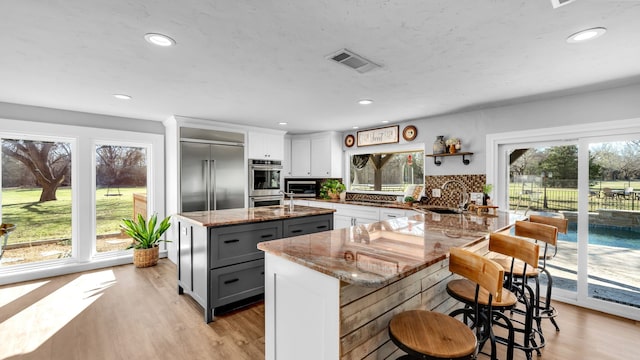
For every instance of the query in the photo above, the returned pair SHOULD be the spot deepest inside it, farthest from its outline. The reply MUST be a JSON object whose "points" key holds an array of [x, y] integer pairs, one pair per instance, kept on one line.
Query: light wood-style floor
{"points": [[129, 313]]}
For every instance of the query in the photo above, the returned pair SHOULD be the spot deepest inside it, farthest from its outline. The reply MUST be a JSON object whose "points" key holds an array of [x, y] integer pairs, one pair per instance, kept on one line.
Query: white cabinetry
{"points": [[317, 155], [268, 146], [352, 215], [388, 213], [300, 156], [286, 161]]}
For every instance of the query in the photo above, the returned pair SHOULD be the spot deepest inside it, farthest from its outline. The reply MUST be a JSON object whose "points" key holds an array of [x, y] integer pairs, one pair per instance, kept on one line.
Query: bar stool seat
{"points": [[465, 291], [432, 335]]}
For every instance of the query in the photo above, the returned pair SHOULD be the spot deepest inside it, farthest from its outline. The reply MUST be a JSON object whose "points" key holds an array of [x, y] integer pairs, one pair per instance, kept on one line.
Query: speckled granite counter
{"points": [[377, 254], [330, 295], [250, 215]]}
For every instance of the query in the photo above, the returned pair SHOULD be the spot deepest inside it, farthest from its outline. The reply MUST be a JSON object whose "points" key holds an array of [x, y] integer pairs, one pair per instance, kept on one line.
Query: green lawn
{"points": [[52, 219]]}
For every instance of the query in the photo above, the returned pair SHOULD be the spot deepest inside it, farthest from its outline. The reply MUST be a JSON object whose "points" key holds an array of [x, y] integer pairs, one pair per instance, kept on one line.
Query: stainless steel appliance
{"points": [[212, 170], [303, 188], [265, 178], [257, 201]]}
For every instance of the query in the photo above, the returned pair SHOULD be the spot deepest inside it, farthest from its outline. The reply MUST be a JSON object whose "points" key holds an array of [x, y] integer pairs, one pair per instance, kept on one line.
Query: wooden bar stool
{"points": [[545, 310], [430, 335], [525, 253]]}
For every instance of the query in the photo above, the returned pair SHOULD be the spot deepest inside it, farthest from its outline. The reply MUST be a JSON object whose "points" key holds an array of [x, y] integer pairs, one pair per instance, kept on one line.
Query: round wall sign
{"points": [[349, 140], [409, 133]]}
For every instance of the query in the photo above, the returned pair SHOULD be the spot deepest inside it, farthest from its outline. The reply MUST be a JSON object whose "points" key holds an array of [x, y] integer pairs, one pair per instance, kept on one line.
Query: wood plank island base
{"points": [[330, 295]]}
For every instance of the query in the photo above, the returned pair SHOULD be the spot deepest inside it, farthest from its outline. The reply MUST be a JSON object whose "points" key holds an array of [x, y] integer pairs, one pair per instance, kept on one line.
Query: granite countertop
{"points": [[250, 215], [378, 254]]}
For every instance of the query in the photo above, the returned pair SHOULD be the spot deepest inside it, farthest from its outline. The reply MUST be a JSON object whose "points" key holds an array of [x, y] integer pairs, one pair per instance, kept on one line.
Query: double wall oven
{"points": [[265, 178]]}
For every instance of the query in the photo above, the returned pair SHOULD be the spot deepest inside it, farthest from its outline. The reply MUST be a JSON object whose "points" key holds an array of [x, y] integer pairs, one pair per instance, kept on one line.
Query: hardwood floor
{"points": [[129, 313]]}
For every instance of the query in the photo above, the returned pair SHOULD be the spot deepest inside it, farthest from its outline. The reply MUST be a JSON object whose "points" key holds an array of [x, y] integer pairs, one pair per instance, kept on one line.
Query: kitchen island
{"points": [[218, 260], [330, 295]]}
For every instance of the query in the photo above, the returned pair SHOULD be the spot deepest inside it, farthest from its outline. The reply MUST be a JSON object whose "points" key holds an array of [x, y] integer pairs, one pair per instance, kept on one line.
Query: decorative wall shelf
{"points": [[439, 162]]}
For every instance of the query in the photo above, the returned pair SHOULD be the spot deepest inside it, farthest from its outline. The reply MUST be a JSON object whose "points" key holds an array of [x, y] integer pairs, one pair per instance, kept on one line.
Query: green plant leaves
{"points": [[145, 234]]}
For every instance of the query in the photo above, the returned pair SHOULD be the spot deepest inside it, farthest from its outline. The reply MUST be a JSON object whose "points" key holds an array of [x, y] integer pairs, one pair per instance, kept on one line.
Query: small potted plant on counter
{"points": [[486, 189], [146, 238], [331, 189]]}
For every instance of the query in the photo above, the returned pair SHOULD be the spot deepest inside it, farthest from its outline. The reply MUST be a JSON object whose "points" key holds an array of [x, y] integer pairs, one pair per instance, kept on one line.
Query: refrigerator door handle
{"points": [[206, 175], [212, 186]]}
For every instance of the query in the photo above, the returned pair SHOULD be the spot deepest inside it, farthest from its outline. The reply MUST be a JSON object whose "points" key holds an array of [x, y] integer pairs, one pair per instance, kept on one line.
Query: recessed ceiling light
{"points": [[385, 121], [585, 35], [282, 123], [159, 39], [365, 102], [355, 127], [122, 96]]}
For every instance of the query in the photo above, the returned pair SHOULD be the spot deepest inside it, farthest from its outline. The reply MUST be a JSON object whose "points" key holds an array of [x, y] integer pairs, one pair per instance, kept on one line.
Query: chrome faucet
{"points": [[290, 199], [464, 194]]}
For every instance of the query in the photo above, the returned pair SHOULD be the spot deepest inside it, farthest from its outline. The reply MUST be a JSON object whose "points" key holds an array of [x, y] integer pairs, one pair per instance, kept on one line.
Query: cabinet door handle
{"points": [[391, 216], [296, 231], [231, 241], [231, 281], [321, 227], [266, 236]]}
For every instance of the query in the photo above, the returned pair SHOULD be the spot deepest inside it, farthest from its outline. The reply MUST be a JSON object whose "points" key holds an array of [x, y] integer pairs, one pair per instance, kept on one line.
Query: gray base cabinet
{"points": [[221, 265]]}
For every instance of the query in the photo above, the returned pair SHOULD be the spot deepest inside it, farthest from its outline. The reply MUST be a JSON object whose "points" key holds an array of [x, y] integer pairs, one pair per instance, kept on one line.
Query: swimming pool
{"points": [[608, 236]]}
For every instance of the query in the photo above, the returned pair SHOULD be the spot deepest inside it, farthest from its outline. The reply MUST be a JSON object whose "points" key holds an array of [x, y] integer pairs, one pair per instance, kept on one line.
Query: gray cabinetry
{"points": [[307, 225], [220, 265], [238, 243]]}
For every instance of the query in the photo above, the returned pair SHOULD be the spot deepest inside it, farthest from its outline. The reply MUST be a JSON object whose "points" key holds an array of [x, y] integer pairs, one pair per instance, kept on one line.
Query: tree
{"points": [[562, 162], [49, 162], [120, 165]]}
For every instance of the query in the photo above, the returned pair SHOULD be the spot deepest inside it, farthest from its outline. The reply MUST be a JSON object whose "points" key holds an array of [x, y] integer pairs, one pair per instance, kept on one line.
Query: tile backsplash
{"points": [[451, 195]]}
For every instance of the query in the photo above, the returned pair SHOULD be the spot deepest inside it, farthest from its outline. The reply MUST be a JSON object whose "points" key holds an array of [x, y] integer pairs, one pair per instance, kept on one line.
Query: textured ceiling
{"points": [[262, 62]]}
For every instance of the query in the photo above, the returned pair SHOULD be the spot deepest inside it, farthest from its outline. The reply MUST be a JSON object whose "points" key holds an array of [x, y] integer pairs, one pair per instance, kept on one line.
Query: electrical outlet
{"points": [[476, 198], [436, 193]]}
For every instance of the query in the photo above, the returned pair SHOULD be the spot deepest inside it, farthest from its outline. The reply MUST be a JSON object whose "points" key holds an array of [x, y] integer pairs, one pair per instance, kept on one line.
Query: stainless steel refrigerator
{"points": [[212, 176]]}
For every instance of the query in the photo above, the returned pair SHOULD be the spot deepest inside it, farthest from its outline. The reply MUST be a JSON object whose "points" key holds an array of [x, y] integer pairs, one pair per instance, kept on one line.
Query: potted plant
{"points": [[331, 189], [146, 238], [486, 189], [409, 200]]}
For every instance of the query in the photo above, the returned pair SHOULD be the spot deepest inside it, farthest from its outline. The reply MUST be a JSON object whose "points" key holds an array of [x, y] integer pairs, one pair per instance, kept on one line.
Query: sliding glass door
{"points": [[613, 249], [594, 181], [543, 179]]}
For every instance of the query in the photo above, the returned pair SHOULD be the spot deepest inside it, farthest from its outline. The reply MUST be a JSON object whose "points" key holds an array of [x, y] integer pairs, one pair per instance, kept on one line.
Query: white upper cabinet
{"points": [[286, 161], [300, 156], [317, 155], [267, 146]]}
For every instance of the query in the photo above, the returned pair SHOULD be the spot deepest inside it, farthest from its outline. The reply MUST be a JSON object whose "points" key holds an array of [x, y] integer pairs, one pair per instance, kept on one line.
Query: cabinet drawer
{"points": [[237, 282], [358, 211], [307, 225], [238, 243]]}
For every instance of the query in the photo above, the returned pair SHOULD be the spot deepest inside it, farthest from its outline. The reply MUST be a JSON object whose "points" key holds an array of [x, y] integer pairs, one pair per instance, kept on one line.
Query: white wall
{"points": [[65, 117], [472, 127]]}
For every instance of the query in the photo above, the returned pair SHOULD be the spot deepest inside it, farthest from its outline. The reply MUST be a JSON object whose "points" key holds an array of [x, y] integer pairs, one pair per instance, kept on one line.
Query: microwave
{"points": [[303, 188]]}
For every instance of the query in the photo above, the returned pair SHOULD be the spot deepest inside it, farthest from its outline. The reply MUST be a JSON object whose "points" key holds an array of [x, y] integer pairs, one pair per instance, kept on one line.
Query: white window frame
{"points": [[83, 141]]}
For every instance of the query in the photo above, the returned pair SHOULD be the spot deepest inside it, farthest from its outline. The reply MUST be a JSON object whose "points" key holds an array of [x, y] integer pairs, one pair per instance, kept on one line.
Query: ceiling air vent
{"points": [[557, 3], [353, 60]]}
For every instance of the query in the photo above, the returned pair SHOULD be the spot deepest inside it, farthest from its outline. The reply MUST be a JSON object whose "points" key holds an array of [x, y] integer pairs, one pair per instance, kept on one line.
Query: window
{"points": [[81, 214], [36, 197], [390, 172], [121, 192]]}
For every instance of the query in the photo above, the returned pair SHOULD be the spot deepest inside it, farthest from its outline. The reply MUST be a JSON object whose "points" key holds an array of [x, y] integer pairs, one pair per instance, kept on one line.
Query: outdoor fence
{"points": [[563, 199]]}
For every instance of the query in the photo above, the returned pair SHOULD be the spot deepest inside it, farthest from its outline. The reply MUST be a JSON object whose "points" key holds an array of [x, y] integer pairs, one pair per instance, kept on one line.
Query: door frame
{"points": [[497, 172]]}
